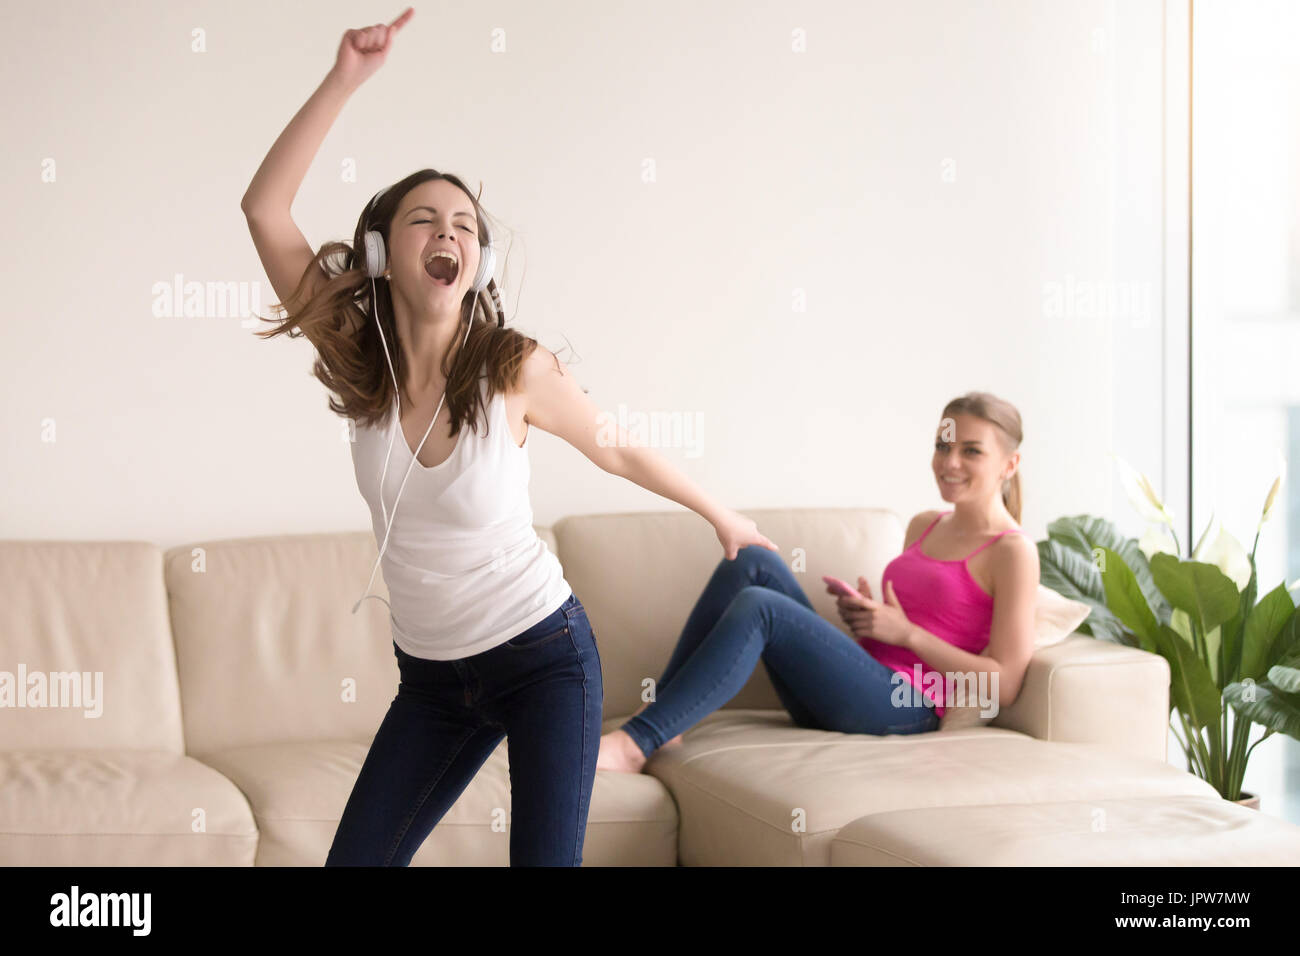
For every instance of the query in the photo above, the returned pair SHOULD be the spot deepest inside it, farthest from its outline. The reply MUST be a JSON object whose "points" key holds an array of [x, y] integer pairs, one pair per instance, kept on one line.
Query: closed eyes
{"points": [[416, 221]]}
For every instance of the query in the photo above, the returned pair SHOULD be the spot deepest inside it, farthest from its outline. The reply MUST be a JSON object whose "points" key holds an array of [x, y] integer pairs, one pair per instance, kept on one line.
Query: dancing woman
{"points": [[489, 638]]}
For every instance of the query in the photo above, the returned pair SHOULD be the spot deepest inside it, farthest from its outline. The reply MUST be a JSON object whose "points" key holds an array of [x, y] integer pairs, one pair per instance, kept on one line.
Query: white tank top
{"points": [[465, 569]]}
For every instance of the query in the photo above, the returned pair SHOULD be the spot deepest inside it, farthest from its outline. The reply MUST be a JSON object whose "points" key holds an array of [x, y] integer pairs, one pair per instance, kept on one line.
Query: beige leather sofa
{"points": [[212, 704]]}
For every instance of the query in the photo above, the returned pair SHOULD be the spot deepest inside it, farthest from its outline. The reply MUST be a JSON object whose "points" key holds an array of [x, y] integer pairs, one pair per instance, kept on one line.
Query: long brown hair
{"points": [[1002, 414], [339, 320]]}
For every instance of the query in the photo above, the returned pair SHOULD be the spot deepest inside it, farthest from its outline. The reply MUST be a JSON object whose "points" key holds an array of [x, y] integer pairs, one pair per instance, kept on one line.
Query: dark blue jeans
{"points": [[752, 609], [541, 689]]}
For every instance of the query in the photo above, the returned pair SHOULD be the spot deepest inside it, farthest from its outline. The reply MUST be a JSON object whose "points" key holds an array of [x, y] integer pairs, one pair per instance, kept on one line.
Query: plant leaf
{"points": [[1070, 575], [1125, 599], [1264, 626], [1213, 639], [1190, 686], [1272, 706], [1234, 634], [1084, 534], [1200, 589], [1286, 676]]}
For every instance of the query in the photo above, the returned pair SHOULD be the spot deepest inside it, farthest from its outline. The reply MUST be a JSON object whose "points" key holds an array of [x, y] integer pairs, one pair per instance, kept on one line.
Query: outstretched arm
{"points": [[556, 404]]}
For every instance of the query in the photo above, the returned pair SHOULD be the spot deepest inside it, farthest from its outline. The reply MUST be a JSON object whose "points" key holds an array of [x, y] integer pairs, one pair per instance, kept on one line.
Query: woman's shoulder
{"points": [[916, 527], [1014, 552], [540, 371], [539, 359]]}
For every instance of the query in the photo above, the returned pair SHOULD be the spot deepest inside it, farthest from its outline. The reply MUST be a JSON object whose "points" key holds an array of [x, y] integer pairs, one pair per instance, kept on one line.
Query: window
{"points": [[1245, 303]]}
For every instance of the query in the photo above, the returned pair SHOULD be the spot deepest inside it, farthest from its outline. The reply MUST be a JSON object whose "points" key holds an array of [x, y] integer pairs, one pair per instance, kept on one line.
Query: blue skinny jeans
{"points": [[753, 608], [541, 690]]}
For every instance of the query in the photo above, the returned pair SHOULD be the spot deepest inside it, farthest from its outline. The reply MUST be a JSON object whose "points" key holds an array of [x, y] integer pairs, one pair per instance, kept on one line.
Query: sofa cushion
{"points": [[120, 808], [298, 792], [266, 645], [753, 789], [1056, 616], [90, 617], [1172, 830]]}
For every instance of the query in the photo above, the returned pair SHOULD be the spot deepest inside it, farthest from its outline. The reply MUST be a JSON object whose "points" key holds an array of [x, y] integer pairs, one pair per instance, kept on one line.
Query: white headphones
{"points": [[376, 260]]}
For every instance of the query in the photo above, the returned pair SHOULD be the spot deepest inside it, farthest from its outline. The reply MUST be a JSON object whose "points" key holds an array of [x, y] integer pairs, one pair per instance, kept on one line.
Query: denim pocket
{"points": [[525, 642], [547, 629]]}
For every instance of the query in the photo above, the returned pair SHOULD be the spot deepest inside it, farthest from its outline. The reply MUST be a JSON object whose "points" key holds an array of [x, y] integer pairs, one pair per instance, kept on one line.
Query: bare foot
{"points": [[644, 705], [618, 751]]}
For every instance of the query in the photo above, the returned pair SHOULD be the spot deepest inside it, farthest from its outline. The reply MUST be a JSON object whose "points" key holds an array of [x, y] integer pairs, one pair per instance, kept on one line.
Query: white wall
{"points": [[822, 171]]}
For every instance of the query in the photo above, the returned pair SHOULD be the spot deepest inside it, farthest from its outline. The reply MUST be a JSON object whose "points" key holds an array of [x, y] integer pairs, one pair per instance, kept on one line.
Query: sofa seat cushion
{"points": [[120, 808], [298, 791], [1187, 830], [753, 789]]}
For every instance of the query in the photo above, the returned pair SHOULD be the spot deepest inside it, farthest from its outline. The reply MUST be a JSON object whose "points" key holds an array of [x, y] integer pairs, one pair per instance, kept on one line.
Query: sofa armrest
{"points": [[1085, 690]]}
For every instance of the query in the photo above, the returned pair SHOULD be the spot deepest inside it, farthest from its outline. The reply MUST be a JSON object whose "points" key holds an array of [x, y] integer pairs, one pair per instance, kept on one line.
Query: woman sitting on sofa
{"points": [[962, 606]]}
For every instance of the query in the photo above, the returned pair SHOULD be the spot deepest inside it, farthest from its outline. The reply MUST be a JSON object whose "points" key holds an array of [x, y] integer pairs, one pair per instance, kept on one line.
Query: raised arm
{"points": [[284, 251]]}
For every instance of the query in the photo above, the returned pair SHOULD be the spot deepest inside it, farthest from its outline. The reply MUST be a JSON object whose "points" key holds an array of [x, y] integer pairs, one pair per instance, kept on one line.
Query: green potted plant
{"points": [[1227, 651]]}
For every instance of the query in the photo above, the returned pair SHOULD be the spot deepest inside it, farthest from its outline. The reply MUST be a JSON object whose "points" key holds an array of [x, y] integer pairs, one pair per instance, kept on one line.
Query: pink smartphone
{"points": [[840, 587]]}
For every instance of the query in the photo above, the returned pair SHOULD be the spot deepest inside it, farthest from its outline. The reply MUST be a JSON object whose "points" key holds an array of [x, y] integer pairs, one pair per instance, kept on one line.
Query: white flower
{"points": [[1272, 492], [1156, 538], [1218, 547], [1141, 494]]}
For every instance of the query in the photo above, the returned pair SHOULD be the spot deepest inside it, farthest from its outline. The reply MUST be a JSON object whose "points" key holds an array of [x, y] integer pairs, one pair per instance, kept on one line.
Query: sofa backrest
{"points": [[85, 642], [268, 650], [639, 574], [267, 647]]}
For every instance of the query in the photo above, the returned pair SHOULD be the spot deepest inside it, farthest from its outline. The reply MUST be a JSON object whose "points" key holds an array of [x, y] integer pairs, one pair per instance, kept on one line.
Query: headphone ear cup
{"points": [[487, 263], [487, 260], [376, 260]]}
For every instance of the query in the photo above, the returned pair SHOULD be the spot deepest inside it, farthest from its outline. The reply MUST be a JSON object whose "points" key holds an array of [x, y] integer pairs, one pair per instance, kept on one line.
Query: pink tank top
{"points": [[942, 597]]}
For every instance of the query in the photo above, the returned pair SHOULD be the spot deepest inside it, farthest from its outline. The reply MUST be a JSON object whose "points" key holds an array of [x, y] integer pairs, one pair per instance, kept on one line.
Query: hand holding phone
{"points": [[836, 586]]}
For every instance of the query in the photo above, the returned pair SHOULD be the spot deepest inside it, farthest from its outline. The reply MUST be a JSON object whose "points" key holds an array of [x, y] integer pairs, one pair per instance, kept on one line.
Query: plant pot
{"points": [[1248, 799]]}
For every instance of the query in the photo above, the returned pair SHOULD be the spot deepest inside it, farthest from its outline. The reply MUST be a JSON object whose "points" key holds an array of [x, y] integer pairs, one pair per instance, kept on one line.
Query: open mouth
{"points": [[442, 268]]}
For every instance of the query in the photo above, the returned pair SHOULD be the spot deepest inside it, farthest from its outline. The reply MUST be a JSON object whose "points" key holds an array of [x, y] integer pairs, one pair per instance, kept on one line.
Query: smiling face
{"points": [[969, 461], [433, 242]]}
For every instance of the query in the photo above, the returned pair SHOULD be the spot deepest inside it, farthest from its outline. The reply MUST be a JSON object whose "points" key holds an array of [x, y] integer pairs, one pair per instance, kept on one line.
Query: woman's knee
{"points": [[754, 556], [753, 598]]}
